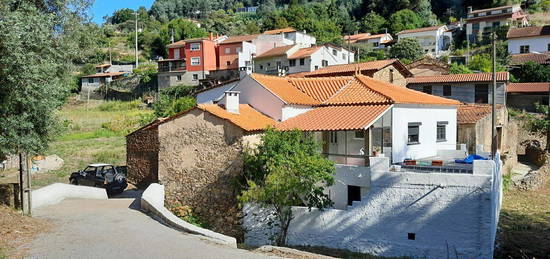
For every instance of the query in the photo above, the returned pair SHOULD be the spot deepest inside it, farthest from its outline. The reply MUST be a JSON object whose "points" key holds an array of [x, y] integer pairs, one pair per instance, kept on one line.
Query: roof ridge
{"points": [[339, 91], [376, 91]]}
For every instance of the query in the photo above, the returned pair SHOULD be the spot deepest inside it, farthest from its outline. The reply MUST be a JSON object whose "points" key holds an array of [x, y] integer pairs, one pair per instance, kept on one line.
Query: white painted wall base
{"points": [[55, 193]]}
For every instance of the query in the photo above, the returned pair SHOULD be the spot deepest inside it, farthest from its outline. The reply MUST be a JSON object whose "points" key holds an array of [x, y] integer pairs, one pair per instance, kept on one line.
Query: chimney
{"points": [[211, 36], [232, 101], [470, 9]]}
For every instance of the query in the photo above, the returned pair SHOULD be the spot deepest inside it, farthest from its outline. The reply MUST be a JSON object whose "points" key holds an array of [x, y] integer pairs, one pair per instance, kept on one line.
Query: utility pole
{"points": [[110, 54], [21, 182], [136, 43], [494, 139], [29, 185]]}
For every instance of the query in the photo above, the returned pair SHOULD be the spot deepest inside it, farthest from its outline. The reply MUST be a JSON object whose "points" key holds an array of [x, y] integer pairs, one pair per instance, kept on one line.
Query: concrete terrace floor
{"points": [[116, 228]]}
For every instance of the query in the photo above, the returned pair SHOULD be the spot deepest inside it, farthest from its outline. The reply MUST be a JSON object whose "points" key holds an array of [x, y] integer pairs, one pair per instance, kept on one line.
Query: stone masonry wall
{"points": [[142, 157], [384, 75], [199, 160]]}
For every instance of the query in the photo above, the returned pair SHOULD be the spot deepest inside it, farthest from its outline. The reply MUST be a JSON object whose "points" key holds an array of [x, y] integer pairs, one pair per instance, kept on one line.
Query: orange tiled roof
{"points": [[472, 113], [349, 117], [281, 87], [399, 94], [539, 58], [176, 44], [528, 87], [356, 92], [240, 38], [320, 88], [458, 78], [432, 28], [529, 32], [305, 52], [103, 65], [274, 52], [348, 68], [105, 74], [277, 31], [248, 118], [373, 37]]}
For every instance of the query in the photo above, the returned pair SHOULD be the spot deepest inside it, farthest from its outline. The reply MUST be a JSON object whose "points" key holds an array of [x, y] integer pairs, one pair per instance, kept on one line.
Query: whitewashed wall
{"points": [[348, 175], [290, 111], [428, 116], [449, 214], [257, 96], [536, 44]]}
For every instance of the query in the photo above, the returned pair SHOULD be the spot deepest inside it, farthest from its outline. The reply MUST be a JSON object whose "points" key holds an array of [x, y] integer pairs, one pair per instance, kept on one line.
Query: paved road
{"points": [[116, 229]]}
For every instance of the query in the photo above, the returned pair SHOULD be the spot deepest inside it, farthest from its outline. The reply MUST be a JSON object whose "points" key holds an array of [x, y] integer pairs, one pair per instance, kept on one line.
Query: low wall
{"points": [[152, 201], [55, 193], [428, 215]]}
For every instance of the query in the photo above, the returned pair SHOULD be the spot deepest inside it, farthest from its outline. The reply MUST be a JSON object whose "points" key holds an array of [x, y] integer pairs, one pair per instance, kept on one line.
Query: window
{"points": [[292, 62], [475, 26], [442, 131], [427, 89], [524, 49], [447, 90], [261, 67], [228, 63], [195, 61], [481, 94], [333, 137], [324, 63], [496, 24], [548, 47], [344, 56], [334, 52], [268, 64], [195, 46], [195, 77], [375, 44], [391, 75], [178, 77], [279, 64], [414, 133], [90, 80], [359, 134], [354, 194], [227, 50], [316, 67], [302, 61], [433, 50]]}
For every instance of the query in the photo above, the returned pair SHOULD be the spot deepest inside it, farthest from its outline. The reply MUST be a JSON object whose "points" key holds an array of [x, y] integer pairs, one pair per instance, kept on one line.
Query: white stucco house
{"points": [[535, 39], [376, 41], [436, 40], [480, 23], [293, 36]]}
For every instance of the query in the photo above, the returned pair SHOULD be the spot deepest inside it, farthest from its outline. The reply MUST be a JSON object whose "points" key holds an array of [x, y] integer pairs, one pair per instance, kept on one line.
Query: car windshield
{"points": [[90, 169]]}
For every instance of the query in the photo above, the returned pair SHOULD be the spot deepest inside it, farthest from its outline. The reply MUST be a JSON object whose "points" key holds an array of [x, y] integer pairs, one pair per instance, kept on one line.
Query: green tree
{"points": [[122, 15], [405, 20], [182, 29], [540, 123], [37, 50], [166, 106], [533, 72], [287, 170], [407, 50], [424, 11], [373, 23], [484, 63], [459, 69]]}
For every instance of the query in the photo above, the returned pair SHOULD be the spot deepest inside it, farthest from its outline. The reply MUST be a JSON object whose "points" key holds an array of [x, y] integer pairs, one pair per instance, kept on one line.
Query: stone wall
{"points": [[199, 161], [142, 149], [384, 75]]}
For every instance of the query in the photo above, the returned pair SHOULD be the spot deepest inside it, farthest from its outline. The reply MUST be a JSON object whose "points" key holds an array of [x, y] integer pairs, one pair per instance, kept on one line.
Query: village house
{"points": [[474, 127], [436, 40], [188, 62], [538, 58], [91, 84], [480, 23], [523, 96], [535, 39], [466, 88], [390, 70], [376, 41], [428, 66], [292, 59], [293, 36]]}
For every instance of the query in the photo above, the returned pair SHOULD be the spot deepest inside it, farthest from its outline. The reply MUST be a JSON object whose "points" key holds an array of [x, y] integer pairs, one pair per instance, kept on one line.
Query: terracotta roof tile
{"points": [[349, 117], [281, 87], [320, 88], [528, 87], [529, 32], [277, 51], [472, 113], [277, 31], [348, 68], [105, 74], [240, 38], [248, 118], [539, 58], [357, 93], [456, 78], [432, 28], [400, 94], [305, 52]]}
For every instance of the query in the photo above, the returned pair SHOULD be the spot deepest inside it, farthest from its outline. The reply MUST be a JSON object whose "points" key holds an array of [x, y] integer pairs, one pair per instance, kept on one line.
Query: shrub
{"points": [[186, 213], [119, 105], [165, 106]]}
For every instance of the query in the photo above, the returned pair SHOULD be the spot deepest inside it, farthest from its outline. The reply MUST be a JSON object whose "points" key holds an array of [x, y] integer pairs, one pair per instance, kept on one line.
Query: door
{"points": [[88, 176], [354, 194], [481, 94], [177, 54]]}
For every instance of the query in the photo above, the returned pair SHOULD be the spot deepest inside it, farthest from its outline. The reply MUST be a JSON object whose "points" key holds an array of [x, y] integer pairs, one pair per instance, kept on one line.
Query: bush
{"points": [[125, 123], [407, 49], [186, 213], [119, 105], [166, 107], [459, 69]]}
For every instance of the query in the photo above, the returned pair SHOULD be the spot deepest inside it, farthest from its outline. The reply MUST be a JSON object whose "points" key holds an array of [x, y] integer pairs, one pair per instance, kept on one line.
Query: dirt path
{"points": [[116, 229]]}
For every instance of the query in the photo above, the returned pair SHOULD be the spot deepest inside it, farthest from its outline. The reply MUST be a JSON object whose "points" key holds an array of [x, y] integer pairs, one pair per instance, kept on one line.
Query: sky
{"points": [[107, 7]]}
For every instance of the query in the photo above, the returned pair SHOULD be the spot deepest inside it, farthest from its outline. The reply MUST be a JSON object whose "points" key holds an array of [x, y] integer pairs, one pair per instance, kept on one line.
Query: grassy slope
{"points": [[525, 223], [86, 141]]}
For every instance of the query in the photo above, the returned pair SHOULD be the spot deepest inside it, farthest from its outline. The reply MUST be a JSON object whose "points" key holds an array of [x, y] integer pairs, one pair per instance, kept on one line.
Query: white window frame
{"points": [[227, 50], [442, 124], [195, 61], [195, 46]]}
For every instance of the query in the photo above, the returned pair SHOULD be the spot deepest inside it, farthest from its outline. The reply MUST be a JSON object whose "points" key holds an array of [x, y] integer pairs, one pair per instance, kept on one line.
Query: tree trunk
{"points": [[285, 216]]}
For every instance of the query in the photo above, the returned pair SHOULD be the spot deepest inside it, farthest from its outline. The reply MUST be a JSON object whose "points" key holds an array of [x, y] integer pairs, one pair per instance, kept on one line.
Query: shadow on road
{"points": [[131, 194]]}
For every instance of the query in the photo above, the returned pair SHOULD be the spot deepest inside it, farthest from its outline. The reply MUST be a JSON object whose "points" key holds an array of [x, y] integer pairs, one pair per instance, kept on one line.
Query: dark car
{"points": [[101, 175]]}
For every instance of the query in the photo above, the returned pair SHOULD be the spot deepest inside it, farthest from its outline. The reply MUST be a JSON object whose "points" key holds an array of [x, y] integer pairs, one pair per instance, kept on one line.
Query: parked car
{"points": [[101, 175]]}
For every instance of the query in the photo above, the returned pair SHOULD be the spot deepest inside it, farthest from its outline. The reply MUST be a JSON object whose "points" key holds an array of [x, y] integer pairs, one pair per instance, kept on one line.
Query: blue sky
{"points": [[107, 7]]}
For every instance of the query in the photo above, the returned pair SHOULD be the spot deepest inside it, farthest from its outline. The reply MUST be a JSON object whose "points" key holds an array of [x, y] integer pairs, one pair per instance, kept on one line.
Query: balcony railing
{"points": [[171, 66]]}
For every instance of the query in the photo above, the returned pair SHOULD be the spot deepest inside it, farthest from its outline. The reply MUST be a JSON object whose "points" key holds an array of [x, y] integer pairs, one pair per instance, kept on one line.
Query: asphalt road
{"points": [[115, 228]]}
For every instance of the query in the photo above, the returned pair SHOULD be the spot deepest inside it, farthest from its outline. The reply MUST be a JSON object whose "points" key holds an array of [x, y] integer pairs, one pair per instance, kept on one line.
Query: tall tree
{"points": [[40, 41], [407, 50], [373, 23], [405, 20]]}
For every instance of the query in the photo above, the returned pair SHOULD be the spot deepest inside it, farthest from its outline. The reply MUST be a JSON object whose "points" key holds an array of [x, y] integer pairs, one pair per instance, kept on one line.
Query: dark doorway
{"points": [[354, 194], [482, 94]]}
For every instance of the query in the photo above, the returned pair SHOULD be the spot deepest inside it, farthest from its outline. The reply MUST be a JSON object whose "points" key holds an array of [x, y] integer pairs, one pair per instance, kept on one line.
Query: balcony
{"points": [[171, 65]]}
